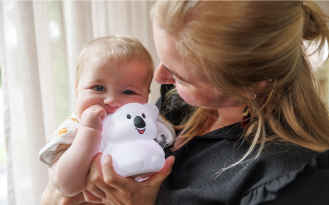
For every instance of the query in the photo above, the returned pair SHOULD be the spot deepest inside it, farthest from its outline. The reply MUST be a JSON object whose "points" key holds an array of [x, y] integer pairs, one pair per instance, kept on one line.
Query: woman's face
{"points": [[189, 86]]}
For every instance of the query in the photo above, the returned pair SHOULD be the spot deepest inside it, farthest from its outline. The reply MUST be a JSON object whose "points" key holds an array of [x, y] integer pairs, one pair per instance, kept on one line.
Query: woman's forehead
{"points": [[165, 46]]}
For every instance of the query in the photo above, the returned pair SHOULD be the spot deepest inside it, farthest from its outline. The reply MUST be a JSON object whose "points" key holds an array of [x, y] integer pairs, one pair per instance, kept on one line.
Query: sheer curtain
{"points": [[39, 45]]}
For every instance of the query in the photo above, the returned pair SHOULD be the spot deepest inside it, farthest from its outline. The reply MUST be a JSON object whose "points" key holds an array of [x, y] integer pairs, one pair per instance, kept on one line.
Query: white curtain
{"points": [[39, 45]]}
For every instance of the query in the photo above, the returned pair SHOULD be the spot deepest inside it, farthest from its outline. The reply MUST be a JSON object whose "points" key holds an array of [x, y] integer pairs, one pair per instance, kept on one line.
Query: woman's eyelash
{"points": [[99, 88], [178, 81]]}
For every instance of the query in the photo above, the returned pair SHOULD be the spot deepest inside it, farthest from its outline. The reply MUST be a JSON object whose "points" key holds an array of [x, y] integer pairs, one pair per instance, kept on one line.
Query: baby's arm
{"points": [[70, 171]]}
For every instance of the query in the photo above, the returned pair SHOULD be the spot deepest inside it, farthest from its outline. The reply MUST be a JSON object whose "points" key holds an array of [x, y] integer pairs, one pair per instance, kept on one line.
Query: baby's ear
{"points": [[76, 89], [154, 111]]}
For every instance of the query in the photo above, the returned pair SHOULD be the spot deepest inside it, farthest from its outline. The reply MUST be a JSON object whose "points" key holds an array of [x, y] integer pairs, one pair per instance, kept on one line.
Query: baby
{"points": [[112, 71]]}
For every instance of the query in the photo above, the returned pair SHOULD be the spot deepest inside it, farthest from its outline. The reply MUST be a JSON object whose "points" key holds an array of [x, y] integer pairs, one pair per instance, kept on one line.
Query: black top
{"points": [[283, 174]]}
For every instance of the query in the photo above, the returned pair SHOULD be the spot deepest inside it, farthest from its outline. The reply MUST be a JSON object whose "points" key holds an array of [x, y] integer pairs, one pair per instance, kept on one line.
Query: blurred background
{"points": [[39, 45]]}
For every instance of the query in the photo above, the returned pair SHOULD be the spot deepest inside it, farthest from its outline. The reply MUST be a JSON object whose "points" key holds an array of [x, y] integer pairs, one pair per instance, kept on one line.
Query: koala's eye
{"points": [[143, 115], [128, 116]]}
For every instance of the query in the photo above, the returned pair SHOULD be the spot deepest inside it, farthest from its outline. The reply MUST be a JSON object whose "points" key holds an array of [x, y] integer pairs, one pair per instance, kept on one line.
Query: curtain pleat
{"points": [[119, 16], [24, 127], [32, 115], [41, 20], [100, 19], [6, 110], [78, 32]]}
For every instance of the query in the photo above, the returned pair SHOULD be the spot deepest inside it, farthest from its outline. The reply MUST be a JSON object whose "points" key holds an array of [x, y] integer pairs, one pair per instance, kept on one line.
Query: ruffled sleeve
{"points": [[307, 185], [61, 140]]}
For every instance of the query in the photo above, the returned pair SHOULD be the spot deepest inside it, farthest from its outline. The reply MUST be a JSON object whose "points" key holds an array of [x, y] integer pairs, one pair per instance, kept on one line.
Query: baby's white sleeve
{"points": [[60, 141], [166, 133]]}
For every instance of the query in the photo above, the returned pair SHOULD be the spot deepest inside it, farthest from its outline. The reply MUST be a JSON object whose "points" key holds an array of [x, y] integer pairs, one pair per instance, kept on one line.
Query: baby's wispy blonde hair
{"points": [[119, 48]]}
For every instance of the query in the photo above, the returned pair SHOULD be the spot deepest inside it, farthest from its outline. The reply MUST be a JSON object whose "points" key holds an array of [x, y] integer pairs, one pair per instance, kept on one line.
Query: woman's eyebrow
{"points": [[175, 74]]}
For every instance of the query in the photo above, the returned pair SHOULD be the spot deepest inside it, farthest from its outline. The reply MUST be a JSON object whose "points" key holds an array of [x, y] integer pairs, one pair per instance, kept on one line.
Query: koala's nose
{"points": [[139, 122]]}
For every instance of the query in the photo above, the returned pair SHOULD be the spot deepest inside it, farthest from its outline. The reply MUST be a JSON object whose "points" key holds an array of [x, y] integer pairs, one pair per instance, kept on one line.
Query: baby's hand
{"points": [[93, 116]]}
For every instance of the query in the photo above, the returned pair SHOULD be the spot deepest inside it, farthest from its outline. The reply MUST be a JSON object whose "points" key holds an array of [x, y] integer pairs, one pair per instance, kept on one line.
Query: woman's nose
{"points": [[162, 76]]}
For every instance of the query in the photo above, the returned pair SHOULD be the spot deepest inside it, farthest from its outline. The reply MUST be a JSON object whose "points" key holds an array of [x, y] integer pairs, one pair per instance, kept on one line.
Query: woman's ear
{"points": [[261, 86], [257, 88]]}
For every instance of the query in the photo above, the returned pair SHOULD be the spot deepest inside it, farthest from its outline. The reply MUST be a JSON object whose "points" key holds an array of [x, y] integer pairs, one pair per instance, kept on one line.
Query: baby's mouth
{"points": [[141, 131], [111, 110]]}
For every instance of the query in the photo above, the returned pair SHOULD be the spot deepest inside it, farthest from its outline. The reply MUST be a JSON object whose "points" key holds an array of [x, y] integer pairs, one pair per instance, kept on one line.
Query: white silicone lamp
{"points": [[128, 137]]}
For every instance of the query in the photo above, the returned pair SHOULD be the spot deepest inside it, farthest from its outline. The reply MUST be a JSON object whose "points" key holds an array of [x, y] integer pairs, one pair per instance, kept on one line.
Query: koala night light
{"points": [[128, 136]]}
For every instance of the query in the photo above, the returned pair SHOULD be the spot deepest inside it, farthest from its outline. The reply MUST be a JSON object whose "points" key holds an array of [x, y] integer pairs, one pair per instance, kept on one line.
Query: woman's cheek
{"points": [[187, 96]]}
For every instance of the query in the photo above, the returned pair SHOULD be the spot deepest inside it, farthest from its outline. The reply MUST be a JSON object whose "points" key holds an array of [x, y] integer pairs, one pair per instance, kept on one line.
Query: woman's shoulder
{"points": [[288, 171], [280, 165], [281, 156], [308, 185]]}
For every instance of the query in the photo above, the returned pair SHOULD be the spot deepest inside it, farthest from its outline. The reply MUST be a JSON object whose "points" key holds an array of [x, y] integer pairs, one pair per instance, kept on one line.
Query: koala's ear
{"points": [[154, 111]]}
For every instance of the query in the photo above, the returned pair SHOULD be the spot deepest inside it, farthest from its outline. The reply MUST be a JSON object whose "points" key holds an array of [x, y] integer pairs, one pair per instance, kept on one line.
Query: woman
{"points": [[255, 129]]}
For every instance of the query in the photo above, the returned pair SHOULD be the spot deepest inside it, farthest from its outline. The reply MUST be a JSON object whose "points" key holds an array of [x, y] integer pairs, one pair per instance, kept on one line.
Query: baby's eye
{"points": [[99, 88], [128, 92]]}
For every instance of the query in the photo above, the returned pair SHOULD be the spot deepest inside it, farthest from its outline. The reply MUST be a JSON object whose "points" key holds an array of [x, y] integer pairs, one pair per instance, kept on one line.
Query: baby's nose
{"points": [[112, 101], [139, 122]]}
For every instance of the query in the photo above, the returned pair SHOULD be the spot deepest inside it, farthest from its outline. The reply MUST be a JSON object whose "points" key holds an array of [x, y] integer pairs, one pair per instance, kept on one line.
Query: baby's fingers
{"points": [[98, 111], [92, 117]]}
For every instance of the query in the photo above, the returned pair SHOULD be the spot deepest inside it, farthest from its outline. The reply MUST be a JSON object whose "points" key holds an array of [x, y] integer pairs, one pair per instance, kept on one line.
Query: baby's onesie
{"points": [[63, 137]]}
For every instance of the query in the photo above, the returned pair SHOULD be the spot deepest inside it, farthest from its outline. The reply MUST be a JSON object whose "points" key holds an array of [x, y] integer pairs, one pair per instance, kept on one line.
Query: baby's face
{"points": [[103, 83]]}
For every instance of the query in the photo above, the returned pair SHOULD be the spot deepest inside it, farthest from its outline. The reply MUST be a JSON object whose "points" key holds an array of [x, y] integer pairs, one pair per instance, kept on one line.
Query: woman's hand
{"points": [[51, 196], [112, 188]]}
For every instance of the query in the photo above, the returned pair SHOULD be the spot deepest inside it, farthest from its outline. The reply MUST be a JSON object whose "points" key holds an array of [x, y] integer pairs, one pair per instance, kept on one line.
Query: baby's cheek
{"points": [[134, 100], [145, 99], [142, 100], [80, 107], [78, 110]]}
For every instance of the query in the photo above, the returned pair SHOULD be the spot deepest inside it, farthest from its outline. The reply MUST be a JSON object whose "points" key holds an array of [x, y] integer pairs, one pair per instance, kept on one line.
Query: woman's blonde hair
{"points": [[234, 45], [119, 48]]}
